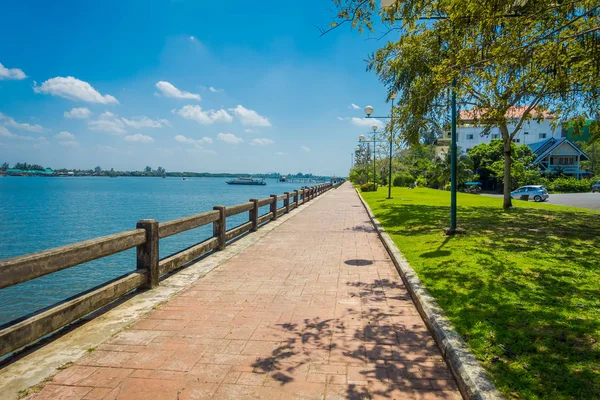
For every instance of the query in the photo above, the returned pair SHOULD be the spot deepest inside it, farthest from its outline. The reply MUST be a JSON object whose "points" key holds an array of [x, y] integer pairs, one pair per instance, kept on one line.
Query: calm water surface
{"points": [[40, 213]]}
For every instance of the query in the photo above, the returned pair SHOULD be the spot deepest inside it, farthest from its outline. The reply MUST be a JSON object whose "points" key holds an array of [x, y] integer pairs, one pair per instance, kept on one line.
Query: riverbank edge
{"points": [[44, 361], [473, 382]]}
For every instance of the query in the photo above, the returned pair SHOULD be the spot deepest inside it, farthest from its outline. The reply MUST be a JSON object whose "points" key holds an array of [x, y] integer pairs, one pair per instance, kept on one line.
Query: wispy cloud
{"points": [[64, 135], [74, 89], [229, 138], [78, 113], [250, 117], [307, 149], [108, 124], [195, 142], [169, 90], [139, 138], [69, 143], [142, 122], [354, 106], [11, 73], [261, 142], [279, 153], [9, 135], [367, 122], [9, 121], [208, 117], [215, 90]]}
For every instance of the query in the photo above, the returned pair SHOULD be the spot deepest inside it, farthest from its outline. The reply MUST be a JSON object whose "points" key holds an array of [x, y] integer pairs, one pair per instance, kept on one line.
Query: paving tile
{"points": [[310, 320]]}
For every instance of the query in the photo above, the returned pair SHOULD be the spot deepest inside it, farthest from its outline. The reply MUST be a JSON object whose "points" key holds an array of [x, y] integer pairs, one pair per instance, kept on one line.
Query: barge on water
{"points": [[246, 181]]}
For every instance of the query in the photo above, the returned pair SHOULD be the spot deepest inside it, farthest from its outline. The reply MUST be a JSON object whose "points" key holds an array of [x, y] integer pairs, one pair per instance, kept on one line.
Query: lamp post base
{"points": [[455, 231]]}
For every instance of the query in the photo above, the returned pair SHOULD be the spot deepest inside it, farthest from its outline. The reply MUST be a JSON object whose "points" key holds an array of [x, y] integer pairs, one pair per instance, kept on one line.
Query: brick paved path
{"points": [[313, 310]]}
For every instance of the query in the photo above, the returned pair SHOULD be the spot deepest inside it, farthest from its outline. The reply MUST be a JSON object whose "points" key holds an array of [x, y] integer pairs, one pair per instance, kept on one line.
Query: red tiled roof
{"points": [[513, 112]]}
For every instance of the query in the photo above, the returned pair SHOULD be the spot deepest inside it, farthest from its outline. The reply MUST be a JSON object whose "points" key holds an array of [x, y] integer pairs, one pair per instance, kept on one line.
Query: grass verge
{"points": [[521, 286]]}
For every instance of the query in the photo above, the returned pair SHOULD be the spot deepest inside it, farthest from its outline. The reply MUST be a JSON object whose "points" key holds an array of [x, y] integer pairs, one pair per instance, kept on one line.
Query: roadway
{"points": [[590, 201]]}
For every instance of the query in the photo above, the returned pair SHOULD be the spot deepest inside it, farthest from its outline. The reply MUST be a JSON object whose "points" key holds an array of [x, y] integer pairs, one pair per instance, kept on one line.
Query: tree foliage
{"points": [[537, 54]]}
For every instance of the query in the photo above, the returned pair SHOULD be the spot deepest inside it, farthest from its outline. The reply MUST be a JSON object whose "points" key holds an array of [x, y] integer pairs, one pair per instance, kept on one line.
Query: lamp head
{"points": [[393, 95], [361, 138], [368, 110], [374, 127]]}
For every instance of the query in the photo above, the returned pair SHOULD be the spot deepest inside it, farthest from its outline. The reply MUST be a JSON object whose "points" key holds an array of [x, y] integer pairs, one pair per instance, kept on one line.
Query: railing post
{"points": [[296, 197], [254, 216], [286, 202], [220, 227], [147, 253], [274, 206]]}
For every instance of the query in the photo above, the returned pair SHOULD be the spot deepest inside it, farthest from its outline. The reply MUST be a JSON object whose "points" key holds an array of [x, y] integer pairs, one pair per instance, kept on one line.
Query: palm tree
{"points": [[441, 169]]}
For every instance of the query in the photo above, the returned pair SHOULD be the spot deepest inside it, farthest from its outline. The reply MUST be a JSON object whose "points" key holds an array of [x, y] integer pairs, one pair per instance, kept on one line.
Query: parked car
{"points": [[596, 186], [535, 192]]}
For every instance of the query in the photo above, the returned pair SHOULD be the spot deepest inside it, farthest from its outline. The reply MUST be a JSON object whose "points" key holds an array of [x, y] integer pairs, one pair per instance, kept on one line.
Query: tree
{"points": [[98, 169], [440, 171], [4, 166], [539, 55], [148, 169]]}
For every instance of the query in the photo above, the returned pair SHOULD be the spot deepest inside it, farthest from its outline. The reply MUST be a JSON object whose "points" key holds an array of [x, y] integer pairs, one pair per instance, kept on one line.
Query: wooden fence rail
{"points": [[145, 238]]}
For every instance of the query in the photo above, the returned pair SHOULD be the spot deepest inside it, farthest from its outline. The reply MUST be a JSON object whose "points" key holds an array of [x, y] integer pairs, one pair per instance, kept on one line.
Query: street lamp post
{"points": [[374, 141], [369, 112]]}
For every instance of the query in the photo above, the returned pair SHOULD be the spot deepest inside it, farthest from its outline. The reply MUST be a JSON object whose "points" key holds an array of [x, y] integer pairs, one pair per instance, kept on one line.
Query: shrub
{"points": [[369, 187], [447, 186], [403, 179], [569, 185], [421, 181]]}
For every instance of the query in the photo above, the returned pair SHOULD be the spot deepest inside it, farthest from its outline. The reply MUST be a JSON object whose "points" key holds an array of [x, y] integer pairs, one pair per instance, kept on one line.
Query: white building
{"points": [[469, 136]]}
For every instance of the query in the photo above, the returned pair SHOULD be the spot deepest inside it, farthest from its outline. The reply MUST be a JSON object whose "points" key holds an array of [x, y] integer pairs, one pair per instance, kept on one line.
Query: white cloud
{"points": [[307, 149], [69, 143], [279, 153], [11, 73], [8, 134], [367, 122], [195, 142], [250, 117], [192, 38], [108, 125], [215, 90], [249, 130], [354, 106], [107, 114], [261, 142], [78, 113], [64, 135], [143, 122], [342, 118], [139, 138], [73, 89], [195, 113], [168, 90], [229, 138], [23, 126]]}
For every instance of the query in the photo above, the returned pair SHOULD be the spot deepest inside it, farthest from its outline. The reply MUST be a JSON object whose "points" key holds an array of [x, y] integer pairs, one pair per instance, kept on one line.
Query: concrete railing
{"points": [[145, 238]]}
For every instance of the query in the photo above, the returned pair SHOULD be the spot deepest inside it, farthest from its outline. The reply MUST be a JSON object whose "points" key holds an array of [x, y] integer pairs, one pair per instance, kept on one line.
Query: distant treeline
{"points": [[158, 172]]}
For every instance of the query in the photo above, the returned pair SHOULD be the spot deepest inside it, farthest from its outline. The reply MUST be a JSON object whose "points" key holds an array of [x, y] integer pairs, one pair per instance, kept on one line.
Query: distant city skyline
{"points": [[198, 87]]}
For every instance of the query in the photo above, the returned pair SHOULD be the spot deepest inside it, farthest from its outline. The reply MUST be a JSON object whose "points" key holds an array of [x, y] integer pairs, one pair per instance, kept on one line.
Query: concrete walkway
{"points": [[313, 310]]}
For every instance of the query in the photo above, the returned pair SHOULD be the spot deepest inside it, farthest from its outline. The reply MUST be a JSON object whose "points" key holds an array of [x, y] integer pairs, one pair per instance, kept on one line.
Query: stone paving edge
{"points": [[473, 382]]}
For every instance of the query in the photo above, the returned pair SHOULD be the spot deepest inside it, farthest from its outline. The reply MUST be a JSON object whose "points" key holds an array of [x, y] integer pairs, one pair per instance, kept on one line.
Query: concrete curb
{"points": [[473, 382]]}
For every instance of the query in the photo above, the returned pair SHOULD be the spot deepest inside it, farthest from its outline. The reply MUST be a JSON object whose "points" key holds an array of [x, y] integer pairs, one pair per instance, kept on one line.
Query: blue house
{"points": [[559, 155]]}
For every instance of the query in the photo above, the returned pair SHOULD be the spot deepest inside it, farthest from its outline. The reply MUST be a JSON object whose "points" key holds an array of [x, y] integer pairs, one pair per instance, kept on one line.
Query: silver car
{"points": [[534, 192]]}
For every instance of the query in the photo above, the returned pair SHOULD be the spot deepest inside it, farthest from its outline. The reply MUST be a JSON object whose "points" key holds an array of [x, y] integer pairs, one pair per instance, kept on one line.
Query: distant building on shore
{"points": [[29, 172]]}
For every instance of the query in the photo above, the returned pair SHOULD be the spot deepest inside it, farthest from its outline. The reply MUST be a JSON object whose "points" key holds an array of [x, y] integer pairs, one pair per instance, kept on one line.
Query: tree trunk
{"points": [[507, 163]]}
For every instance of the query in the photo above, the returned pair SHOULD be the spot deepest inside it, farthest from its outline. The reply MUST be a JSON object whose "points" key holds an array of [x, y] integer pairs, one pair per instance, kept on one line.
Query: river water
{"points": [[39, 213]]}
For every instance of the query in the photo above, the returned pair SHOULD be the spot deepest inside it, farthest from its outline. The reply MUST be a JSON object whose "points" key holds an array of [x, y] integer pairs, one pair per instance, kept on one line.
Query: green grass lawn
{"points": [[522, 287]]}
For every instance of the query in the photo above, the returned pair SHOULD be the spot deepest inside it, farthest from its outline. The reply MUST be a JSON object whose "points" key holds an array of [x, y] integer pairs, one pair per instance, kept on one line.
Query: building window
{"points": [[495, 136], [470, 136], [525, 133], [517, 140], [542, 136]]}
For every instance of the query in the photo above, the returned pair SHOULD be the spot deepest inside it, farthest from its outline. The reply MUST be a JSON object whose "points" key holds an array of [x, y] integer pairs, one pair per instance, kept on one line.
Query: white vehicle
{"points": [[536, 193]]}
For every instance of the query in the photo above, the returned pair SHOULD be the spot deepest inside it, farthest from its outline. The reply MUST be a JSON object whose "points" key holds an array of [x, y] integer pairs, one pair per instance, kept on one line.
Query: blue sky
{"points": [[220, 86]]}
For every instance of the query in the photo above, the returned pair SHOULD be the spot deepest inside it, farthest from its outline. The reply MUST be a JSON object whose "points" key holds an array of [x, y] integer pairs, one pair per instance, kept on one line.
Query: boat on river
{"points": [[246, 181]]}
